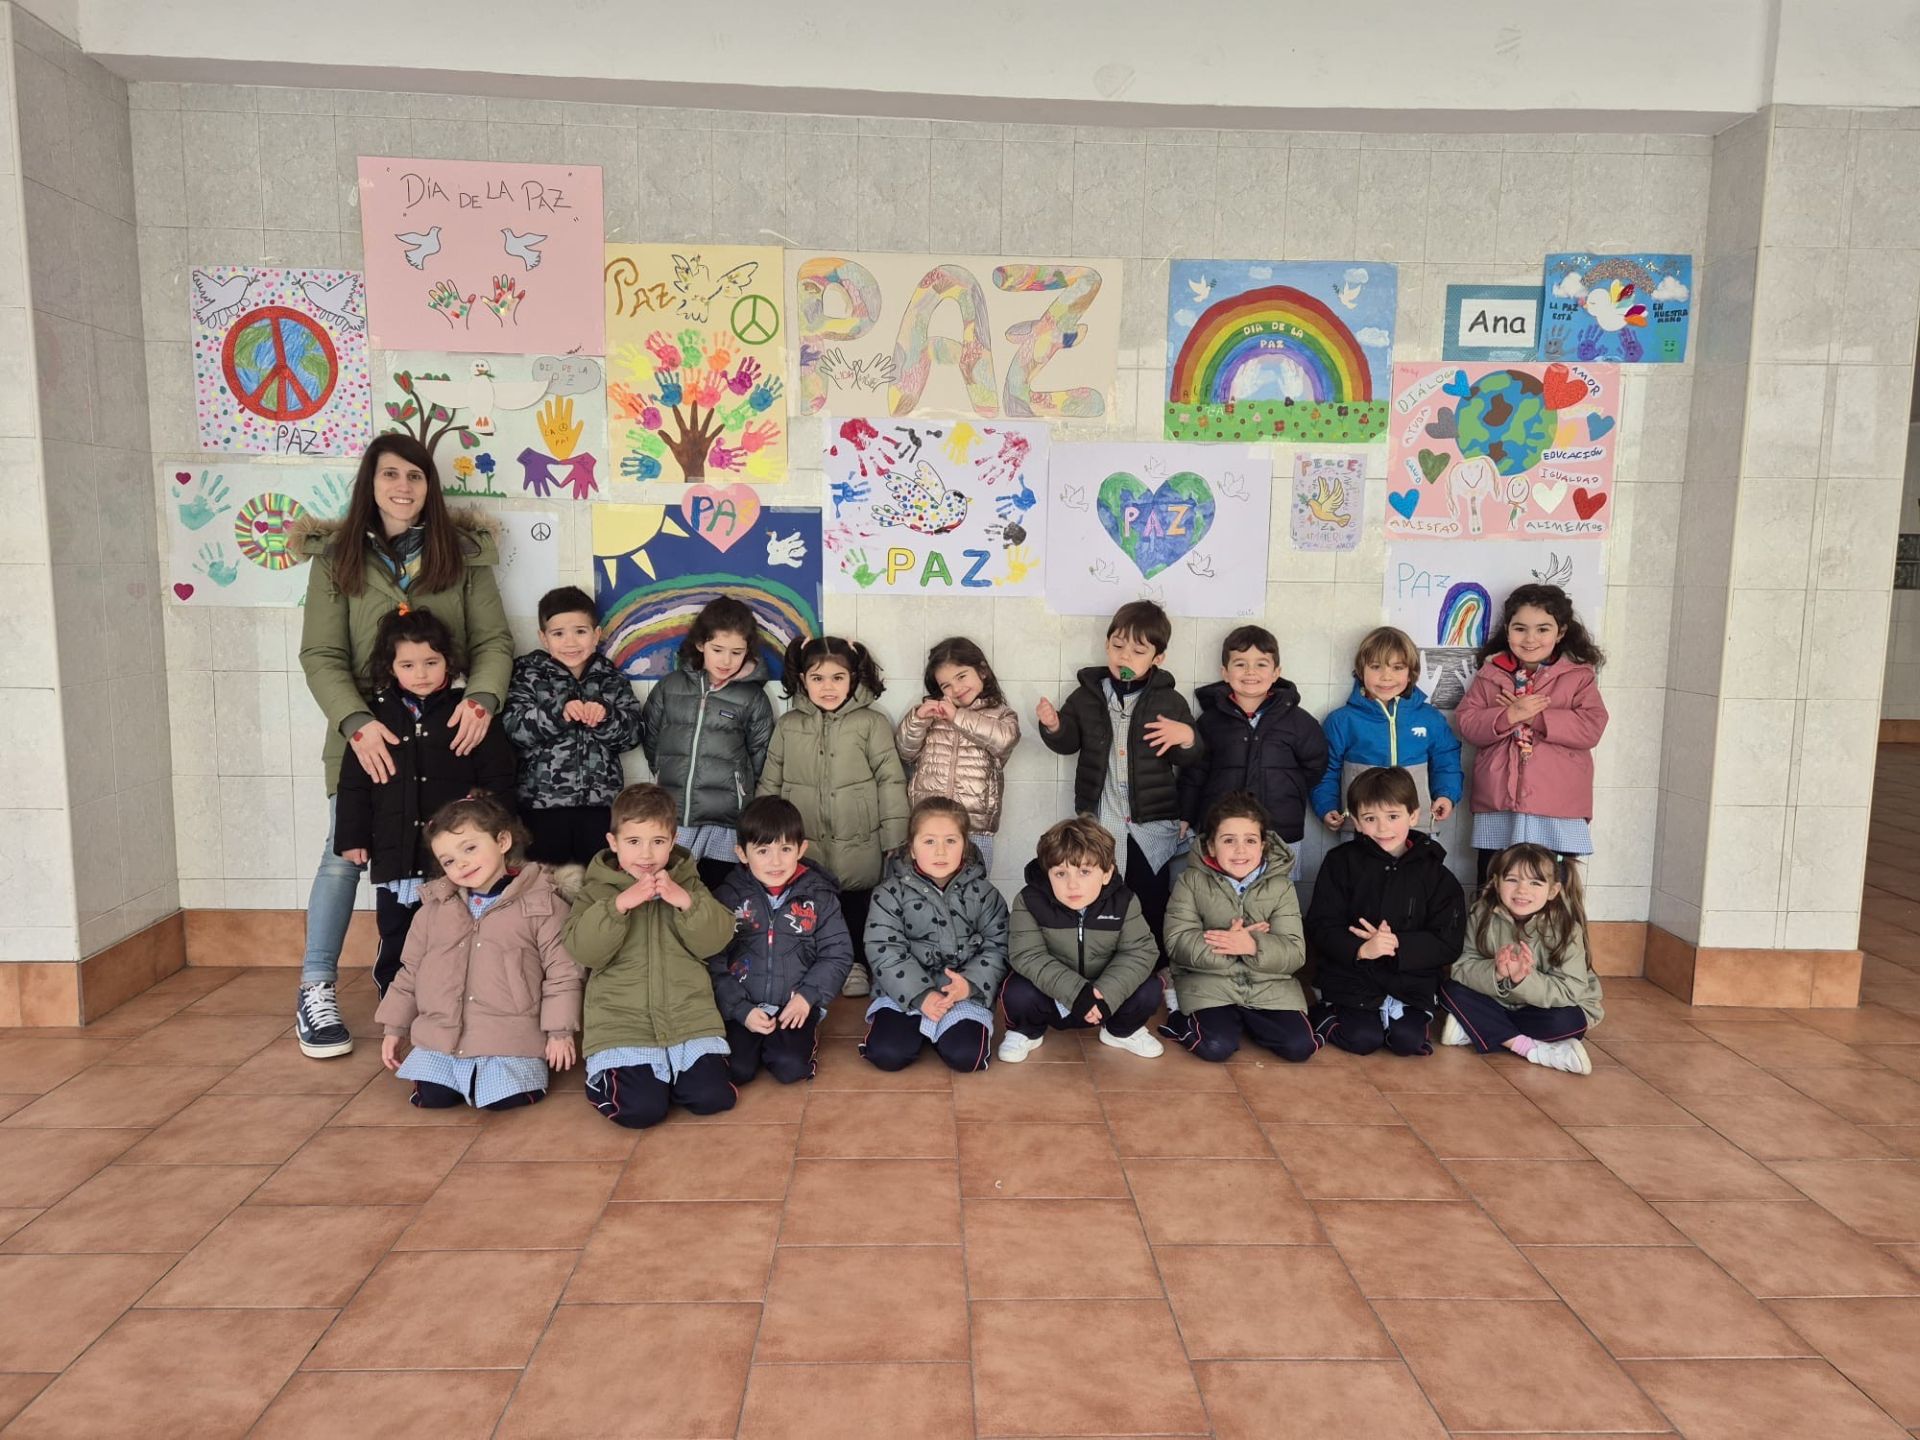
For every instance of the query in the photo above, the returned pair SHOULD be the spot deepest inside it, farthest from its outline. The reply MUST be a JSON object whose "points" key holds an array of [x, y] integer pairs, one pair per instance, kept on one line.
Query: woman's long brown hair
{"points": [[440, 562]]}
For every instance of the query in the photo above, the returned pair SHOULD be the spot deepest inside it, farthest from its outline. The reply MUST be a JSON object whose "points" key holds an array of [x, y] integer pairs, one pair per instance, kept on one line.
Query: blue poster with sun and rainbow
{"points": [[1261, 350]]}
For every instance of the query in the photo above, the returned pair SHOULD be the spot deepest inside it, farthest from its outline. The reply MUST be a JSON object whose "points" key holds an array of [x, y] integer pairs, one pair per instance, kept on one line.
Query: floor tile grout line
{"points": [[773, 1258]]}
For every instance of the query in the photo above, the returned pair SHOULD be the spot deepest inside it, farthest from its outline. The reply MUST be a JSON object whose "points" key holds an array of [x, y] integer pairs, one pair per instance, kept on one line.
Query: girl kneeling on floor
{"points": [[486, 990], [1524, 982], [937, 945]]}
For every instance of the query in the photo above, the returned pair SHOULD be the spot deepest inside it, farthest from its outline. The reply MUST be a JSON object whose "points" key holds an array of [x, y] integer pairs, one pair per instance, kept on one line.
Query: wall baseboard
{"points": [[1774, 979], [63, 993], [1900, 732]]}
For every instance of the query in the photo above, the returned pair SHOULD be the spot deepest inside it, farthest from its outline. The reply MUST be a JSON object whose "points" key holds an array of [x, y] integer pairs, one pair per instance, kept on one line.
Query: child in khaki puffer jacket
{"points": [[958, 739], [486, 991]]}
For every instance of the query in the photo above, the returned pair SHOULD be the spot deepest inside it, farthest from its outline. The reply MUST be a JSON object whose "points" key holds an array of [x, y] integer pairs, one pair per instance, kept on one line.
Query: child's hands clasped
{"points": [[560, 1052], [1377, 941], [1237, 938], [1514, 962], [934, 710], [936, 1005], [584, 712], [645, 887], [1522, 708], [1167, 734]]}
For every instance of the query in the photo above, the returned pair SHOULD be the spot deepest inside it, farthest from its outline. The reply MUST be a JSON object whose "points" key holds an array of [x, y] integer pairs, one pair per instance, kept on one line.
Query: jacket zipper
{"points": [[1393, 728], [693, 756], [1082, 960]]}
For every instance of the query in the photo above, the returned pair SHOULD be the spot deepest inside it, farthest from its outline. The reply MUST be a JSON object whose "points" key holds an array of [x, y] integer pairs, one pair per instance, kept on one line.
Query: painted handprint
{"points": [[720, 358], [786, 550], [764, 465], [331, 496], [690, 348], [558, 428], [863, 573], [725, 457], [742, 379], [205, 500], [639, 467], [1020, 563], [765, 394], [1555, 345], [960, 442], [847, 492], [220, 572], [1010, 461], [667, 382], [1103, 571], [634, 361], [1012, 506], [444, 298], [705, 388], [505, 299], [665, 353], [758, 437]]}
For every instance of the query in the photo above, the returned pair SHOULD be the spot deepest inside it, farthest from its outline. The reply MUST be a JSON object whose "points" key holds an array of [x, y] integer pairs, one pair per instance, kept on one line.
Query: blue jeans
{"points": [[329, 910]]}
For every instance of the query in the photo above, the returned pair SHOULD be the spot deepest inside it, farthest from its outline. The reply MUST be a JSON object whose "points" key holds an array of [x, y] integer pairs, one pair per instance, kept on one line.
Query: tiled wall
{"points": [[1900, 699], [240, 175], [87, 835]]}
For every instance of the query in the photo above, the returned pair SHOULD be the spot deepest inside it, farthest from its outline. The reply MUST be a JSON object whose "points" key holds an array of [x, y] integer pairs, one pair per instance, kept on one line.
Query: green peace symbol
{"points": [[760, 321]]}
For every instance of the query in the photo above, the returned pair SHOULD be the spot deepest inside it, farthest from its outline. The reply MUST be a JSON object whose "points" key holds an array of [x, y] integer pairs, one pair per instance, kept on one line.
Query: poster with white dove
{"points": [[279, 360], [1183, 525], [935, 507], [1632, 308], [1502, 452], [493, 257]]}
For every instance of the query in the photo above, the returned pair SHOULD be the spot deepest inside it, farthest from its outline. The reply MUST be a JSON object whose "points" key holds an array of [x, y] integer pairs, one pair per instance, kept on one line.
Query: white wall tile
{"points": [[1323, 203], [1786, 417], [1870, 419], [1836, 762], [1036, 198], [255, 838], [1744, 859], [1827, 857], [894, 187], [964, 194], [251, 724], [1796, 303], [1881, 301], [33, 767], [35, 858], [1884, 212]]}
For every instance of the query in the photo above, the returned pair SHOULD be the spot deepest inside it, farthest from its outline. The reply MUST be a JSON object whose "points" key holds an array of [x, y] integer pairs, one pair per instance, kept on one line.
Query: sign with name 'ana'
{"points": [[1492, 322]]}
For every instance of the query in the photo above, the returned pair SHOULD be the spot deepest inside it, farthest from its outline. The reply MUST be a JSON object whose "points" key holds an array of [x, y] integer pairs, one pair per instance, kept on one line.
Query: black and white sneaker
{"points": [[317, 1023]]}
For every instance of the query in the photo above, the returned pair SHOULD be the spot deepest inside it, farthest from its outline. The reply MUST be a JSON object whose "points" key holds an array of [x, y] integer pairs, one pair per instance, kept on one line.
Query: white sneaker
{"points": [[1015, 1047], [856, 982], [1452, 1032], [1568, 1055], [1139, 1043]]}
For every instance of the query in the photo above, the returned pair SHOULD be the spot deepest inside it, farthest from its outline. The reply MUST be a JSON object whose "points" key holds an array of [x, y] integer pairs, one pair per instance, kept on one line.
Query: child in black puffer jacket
{"points": [[790, 952], [384, 824]]}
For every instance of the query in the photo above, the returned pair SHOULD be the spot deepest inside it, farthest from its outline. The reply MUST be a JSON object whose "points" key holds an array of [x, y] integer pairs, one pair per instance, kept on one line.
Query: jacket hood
{"points": [[751, 673], [1284, 696], [861, 699], [1360, 700], [1043, 905], [1422, 849], [1094, 678], [1276, 852], [1503, 665], [533, 877], [310, 535], [605, 870]]}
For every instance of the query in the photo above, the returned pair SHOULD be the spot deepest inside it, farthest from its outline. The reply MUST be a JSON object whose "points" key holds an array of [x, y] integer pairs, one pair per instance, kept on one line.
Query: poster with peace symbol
{"points": [[696, 366], [1182, 525], [280, 360], [1502, 452], [227, 527]]}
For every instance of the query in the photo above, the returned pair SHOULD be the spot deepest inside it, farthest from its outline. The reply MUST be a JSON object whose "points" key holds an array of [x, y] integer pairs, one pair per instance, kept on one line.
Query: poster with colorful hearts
{"points": [[1502, 452], [935, 507], [504, 426], [656, 566], [1183, 525]]}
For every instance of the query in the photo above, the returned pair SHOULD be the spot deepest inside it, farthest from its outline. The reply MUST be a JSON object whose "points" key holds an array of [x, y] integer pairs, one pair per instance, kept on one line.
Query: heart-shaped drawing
{"points": [[1155, 525], [1560, 390], [182, 590], [1548, 497], [182, 477], [1587, 503], [1459, 385], [1445, 425], [1598, 425], [1404, 501], [1432, 465], [720, 514]]}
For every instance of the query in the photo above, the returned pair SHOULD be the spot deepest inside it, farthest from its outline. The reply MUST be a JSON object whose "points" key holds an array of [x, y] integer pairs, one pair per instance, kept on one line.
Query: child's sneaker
{"points": [[317, 1023], [1172, 1000], [1452, 1032], [1568, 1055], [1015, 1047], [856, 981], [1138, 1043]]}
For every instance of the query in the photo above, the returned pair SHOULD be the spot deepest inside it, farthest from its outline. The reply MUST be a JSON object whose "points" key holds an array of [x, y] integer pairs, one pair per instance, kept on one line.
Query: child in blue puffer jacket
{"points": [[1387, 721]]}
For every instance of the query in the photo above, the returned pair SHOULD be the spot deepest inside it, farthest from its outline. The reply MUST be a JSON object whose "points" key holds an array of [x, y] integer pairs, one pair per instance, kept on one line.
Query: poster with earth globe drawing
{"points": [[1502, 452]]}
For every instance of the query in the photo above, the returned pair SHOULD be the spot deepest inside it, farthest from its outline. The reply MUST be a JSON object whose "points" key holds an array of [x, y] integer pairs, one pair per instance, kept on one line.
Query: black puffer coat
{"points": [[562, 761], [796, 945], [1086, 726], [707, 746], [1277, 757], [389, 820], [1415, 893]]}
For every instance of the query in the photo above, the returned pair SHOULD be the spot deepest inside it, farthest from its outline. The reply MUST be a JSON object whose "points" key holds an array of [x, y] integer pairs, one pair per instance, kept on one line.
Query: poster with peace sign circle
{"points": [[280, 360]]}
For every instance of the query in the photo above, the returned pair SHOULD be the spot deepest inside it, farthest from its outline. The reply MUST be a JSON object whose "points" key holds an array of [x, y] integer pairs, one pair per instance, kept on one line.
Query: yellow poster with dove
{"points": [[696, 366]]}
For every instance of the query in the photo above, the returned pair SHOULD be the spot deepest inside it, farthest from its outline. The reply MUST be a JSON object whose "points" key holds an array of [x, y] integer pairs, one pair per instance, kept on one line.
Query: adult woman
{"points": [[398, 545]]}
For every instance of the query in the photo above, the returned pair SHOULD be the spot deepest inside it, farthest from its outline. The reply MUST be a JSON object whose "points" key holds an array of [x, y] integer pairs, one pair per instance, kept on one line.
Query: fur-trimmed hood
{"points": [[311, 535]]}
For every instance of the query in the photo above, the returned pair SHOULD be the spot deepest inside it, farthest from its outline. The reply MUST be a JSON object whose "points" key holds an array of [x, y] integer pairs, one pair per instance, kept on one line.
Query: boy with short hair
{"points": [[642, 928], [1258, 740], [1387, 918], [571, 713], [1081, 952], [790, 952], [1130, 726], [1387, 721]]}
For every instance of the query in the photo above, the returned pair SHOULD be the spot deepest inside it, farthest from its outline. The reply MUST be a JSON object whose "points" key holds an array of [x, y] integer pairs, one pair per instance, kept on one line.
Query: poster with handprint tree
{"points": [[698, 366], [935, 507], [504, 426], [228, 528]]}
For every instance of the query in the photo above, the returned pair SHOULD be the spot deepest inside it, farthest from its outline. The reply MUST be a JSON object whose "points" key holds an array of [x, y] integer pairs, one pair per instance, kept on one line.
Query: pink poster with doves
{"points": [[484, 257]]}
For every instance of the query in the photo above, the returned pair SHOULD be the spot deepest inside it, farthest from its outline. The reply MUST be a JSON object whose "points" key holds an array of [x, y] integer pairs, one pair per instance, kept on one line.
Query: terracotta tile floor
{"points": [[1717, 1234]]}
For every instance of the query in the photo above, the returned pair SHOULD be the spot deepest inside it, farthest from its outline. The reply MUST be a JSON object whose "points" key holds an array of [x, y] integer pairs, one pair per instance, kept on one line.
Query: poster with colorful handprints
{"points": [[1329, 501], [1448, 597], [1631, 308], [1502, 452], [1184, 525], [656, 566], [1261, 350], [279, 360], [969, 336], [504, 425], [495, 257], [226, 528], [698, 361], [935, 507]]}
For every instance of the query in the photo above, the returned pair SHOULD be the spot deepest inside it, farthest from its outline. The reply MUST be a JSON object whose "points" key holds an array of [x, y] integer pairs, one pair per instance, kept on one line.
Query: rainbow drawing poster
{"points": [[655, 566], [1502, 452], [1299, 352]]}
